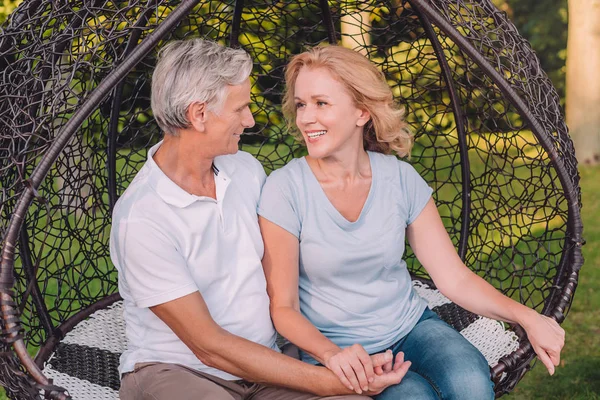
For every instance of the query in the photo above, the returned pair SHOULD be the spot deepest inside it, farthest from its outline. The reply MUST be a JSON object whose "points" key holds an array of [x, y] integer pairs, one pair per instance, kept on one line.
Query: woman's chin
{"points": [[315, 151]]}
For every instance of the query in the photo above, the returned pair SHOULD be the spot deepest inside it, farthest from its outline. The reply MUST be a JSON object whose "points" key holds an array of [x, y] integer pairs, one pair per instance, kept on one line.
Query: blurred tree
{"points": [[6, 7], [544, 24], [583, 82]]}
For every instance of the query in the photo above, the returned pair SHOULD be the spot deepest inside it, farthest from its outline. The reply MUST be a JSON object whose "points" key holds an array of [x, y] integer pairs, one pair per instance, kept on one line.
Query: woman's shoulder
{"points": [[392, 161], [292, 171]]}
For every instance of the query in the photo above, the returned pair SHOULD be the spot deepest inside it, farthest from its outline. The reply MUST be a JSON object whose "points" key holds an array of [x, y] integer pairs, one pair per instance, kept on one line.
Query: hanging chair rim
{"points": [[572, 255]]}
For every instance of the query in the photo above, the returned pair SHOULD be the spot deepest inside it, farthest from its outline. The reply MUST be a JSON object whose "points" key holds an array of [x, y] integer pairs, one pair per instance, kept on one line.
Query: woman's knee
{"points": [[471, 381]]}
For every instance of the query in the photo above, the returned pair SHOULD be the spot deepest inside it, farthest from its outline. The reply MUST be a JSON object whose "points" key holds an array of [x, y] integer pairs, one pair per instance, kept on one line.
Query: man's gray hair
{"points": [[194, 70]]}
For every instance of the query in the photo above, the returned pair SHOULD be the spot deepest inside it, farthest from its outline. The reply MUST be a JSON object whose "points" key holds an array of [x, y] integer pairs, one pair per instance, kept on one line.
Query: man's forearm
{"points": [[257, 363]]}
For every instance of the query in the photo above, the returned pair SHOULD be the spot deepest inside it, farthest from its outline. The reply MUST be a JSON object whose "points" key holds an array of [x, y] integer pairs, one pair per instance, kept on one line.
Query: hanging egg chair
{"points": [[76, 124]]}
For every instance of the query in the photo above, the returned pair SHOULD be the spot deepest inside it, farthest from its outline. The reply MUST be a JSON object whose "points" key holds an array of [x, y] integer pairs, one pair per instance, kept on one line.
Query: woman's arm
{"points": [[190, 320], [352, 365], [434, 249]]}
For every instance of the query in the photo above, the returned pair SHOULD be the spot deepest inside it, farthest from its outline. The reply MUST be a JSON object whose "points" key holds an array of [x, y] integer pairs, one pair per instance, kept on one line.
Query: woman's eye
{"points": [[321, 103], [299, 105]]}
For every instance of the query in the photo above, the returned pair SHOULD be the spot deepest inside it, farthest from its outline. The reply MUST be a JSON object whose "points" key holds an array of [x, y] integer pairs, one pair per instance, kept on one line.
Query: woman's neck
{"points": [[347, 167]]}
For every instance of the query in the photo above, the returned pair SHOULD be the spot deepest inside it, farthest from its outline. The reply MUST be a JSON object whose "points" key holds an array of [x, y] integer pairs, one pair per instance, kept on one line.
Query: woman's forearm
{"points": [[478, 296], [292, 325]]}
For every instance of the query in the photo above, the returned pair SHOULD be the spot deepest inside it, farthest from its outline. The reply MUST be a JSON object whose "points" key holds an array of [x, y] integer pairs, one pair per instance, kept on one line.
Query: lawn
{"points": [[579, 374]]}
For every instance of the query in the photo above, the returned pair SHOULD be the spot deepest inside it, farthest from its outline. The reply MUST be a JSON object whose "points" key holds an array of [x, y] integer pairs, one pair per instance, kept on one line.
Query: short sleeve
{"points": [[278, 206], [416, 190], [153, 269]]}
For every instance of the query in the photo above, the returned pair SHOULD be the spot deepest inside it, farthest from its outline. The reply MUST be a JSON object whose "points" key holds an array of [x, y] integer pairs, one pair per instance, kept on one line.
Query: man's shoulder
{"points": [[138, 199]]}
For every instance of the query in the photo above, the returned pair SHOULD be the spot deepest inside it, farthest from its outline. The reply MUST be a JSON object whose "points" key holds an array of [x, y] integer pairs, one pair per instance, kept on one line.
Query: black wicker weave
{"points": [[75, 124]]}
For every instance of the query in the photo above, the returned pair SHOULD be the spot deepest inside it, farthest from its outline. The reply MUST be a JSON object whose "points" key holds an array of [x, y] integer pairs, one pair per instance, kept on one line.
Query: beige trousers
{"points": [[158, 381]]}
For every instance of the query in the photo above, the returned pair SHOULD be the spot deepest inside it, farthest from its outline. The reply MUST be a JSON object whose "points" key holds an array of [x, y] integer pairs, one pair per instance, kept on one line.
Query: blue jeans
{"points": [[444, 365]]}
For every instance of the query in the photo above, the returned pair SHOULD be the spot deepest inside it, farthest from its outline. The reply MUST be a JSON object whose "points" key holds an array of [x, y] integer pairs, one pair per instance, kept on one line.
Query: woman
{"points": [[334, 225]]}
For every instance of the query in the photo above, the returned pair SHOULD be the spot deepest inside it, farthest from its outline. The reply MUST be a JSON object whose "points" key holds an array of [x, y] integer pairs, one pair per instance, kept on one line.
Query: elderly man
{"points": [[187, 247]]}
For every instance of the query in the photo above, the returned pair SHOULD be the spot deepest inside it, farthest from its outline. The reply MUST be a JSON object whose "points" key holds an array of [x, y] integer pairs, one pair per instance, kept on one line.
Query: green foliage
{"points": [[544, 24], [7, 7]]}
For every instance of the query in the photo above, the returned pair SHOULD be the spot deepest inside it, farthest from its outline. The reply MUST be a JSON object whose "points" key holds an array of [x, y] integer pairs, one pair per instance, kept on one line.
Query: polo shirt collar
{"points": [[172, 193]]}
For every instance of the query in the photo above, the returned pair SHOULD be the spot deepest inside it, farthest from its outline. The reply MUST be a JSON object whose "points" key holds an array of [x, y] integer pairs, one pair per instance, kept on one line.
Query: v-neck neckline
{"points": [[330, 208]]}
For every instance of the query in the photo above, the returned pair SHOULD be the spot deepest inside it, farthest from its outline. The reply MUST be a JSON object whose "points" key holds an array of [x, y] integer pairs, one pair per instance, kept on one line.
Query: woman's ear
{"points": [[364, 116], [197, 114]]}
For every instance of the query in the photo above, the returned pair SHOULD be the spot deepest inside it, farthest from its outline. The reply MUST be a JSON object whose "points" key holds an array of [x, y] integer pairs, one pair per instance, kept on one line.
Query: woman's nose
{"points": [[307, 115]]}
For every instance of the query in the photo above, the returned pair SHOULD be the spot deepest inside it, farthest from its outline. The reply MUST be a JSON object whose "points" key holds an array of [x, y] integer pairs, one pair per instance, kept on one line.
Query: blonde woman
{"points": [[334, 225]]}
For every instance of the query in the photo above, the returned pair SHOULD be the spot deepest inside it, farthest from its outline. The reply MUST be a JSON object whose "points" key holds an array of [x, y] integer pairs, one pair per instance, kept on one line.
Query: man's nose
{"points": [[248, 121]]}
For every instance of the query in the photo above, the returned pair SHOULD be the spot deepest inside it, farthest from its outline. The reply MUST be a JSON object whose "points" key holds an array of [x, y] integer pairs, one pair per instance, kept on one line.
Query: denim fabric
{"points": [[444, 365]]}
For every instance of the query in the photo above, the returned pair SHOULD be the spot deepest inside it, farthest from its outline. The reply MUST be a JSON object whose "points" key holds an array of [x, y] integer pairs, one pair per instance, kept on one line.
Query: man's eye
{"points": [[321, 103]]}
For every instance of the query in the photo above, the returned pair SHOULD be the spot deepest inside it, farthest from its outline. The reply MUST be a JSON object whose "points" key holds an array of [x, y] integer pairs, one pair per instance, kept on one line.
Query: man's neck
{"points": [[184, 162]]}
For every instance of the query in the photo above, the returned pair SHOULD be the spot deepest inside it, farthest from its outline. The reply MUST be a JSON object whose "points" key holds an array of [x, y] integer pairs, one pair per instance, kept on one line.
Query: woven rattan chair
{"points": [[75, 124]]}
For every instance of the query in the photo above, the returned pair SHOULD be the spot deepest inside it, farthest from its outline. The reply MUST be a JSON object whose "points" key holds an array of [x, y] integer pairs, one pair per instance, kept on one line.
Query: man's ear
{"points": [[197, 114], [364, 116]]}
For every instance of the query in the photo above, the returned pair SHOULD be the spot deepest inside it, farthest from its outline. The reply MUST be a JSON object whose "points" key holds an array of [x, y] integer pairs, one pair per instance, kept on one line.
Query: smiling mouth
{"points": [[313, 135]]}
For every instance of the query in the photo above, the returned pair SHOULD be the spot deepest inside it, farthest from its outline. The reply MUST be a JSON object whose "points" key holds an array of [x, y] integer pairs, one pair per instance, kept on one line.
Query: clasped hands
{"points": [[364, 373]]}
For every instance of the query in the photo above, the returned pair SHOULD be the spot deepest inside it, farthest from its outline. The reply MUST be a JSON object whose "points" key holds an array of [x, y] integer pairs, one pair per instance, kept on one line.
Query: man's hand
{"points": [[392, 377]]}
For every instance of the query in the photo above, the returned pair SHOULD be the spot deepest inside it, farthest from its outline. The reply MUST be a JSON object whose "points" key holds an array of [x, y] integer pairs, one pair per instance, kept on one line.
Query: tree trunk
{"points": [[356, 29], [583, 79]]}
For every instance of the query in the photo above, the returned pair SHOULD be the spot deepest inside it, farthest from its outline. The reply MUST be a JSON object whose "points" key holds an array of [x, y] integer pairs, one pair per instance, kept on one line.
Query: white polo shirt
{"points": [[167, 243]]}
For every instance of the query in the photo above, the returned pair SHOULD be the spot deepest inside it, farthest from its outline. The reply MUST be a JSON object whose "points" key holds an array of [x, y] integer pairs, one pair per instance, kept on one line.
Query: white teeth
{"points": [[313, 135]]}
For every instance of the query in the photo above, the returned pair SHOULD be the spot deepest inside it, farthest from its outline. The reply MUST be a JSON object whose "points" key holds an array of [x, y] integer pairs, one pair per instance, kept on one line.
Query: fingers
{"points": [[381, 359], [366, 373], [547, 342], [359, 371], [399, 360], [387, 367], [378, 370], [337, 370], [351, 376], [545, 359], [399, 370]]}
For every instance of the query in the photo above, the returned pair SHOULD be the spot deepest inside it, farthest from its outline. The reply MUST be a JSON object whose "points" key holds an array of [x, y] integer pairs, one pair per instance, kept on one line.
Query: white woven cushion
{"points": [[105, 330]]}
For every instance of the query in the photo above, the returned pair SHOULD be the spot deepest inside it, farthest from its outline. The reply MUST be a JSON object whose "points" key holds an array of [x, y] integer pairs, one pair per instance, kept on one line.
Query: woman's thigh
{"points": [[413, 387], [451, 364]]}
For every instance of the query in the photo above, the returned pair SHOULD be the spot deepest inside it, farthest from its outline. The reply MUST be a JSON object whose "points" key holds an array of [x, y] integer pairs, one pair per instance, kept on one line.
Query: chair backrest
{"points": [[490, 136]]}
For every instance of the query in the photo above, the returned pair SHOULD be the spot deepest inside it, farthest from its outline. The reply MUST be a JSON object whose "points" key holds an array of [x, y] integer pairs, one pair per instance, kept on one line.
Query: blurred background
{"points": [[565, 35]]}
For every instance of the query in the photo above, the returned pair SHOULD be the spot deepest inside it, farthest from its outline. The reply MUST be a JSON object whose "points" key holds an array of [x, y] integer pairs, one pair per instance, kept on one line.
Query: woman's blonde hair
{"points": [[386, 131]]}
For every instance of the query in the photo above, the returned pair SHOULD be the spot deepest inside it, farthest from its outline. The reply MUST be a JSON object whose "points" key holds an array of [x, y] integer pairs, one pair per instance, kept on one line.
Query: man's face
{"points": [[223, 128]]}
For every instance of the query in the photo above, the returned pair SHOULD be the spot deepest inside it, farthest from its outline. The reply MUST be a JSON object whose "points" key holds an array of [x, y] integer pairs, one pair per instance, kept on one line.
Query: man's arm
{"points": [[190, 320]]}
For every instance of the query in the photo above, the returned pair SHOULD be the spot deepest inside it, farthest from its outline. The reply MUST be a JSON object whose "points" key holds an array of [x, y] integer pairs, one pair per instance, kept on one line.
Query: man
{"points": [[187, 247]]}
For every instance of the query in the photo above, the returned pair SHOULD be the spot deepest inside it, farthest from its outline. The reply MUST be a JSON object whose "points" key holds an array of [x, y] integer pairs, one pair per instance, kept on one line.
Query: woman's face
{"points": [[326, 114]]}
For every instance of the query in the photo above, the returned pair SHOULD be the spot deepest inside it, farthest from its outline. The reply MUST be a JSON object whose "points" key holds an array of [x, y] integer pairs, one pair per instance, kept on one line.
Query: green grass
{"points": [[579, 374]]}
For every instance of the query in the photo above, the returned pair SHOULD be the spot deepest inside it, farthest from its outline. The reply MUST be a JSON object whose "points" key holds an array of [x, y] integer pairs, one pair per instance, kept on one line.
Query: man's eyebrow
{"points": [[244, 105]]}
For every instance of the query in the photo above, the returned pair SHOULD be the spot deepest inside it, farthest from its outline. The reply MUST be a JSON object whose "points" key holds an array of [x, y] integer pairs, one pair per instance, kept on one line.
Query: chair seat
{"points": [[86, 361]]}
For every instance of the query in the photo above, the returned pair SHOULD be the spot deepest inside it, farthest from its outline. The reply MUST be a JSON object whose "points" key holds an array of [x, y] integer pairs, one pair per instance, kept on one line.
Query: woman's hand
{"points": [[546, 337], [353, 366]]}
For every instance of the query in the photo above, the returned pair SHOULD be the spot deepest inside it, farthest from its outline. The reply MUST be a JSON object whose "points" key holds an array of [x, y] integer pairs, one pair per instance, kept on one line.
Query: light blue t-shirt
{"points": [[354, 285]]}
